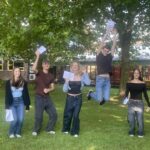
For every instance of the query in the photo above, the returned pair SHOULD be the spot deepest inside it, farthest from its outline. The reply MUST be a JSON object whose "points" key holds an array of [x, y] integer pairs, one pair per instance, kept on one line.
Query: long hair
{"points": [[79, 66], [140, 76], [19, 82], [71, 64]]}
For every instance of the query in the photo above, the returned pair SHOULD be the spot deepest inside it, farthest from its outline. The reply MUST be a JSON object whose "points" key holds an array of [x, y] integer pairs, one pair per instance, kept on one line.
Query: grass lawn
{"points": [[102, 127]]}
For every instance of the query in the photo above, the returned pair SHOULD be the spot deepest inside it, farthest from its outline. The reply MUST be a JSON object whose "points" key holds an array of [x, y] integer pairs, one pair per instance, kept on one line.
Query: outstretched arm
{"points": [[113, 48], [102, 43]]}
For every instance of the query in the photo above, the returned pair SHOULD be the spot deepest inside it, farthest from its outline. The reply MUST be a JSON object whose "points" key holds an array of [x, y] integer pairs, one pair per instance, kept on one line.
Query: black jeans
{"points": [[135, 113], [71, 114], [44, 103]]}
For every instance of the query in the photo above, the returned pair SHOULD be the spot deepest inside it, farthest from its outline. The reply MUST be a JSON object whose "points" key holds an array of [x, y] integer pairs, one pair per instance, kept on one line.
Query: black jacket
{"points": [[9, 97]]}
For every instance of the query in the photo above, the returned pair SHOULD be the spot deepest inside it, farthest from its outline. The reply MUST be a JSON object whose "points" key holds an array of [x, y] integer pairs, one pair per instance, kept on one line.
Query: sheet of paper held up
{"points": [[42, 49], [110, 24], [68, 75]]}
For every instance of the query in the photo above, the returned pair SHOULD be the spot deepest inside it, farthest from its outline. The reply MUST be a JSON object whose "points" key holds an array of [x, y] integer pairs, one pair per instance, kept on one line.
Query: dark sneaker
{"points": [[88, 95], [102, 102]]}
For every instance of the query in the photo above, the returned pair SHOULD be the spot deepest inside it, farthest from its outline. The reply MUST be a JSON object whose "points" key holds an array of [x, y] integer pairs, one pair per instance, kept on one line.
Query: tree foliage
{"points": [[69, 27]]}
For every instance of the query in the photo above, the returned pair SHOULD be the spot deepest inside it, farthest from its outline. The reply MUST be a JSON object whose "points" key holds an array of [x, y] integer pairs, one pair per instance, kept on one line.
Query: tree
{"points": [[27, 24], [57, 24], [132, 18]]}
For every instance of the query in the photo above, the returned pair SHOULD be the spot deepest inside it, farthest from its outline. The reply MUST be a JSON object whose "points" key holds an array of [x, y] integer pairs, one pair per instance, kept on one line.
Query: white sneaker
{"points": [[34, 133], [11, 136], [140, 136], [51, 132], [76, 135], [18, 136], [66, 132]]}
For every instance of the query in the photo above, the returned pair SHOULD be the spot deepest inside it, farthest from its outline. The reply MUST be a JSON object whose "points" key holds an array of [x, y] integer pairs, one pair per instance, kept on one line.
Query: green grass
{"points": [[102, 127]]}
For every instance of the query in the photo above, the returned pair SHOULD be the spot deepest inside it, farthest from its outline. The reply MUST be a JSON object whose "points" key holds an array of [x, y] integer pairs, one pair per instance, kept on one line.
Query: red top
{"points": [[43, 80]]}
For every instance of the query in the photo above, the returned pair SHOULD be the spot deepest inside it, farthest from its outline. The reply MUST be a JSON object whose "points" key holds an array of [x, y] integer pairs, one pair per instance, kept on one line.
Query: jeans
{"points": [[71, 114], [44, 103], [102, 89], [18, 114], [135, 113]]}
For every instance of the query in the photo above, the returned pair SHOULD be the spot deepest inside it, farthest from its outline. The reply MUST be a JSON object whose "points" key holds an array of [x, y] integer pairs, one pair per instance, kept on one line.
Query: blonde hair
{"points": [[79, 66]]}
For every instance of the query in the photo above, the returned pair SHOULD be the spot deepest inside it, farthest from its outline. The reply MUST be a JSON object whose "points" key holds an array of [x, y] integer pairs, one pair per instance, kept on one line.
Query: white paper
{"points": [[42, 49], [125, 101], [9, 115], [110, 24], [68, 75]]}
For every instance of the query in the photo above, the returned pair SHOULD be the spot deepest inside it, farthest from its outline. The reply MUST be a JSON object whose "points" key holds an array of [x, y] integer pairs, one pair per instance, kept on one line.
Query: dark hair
{"points": [[140, 76], [107, 46], [19, 82], [45, 61]]}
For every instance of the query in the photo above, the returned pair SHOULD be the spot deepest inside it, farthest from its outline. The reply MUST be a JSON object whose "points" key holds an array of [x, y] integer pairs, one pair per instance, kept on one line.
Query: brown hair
{"points": [[19, 82], [140, 76]]}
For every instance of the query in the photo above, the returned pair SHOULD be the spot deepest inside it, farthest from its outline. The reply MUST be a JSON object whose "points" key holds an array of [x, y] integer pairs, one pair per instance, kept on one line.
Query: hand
{"points": [[37, 53], [122, 93], [66, 80], [114, 31], [46, 90]]}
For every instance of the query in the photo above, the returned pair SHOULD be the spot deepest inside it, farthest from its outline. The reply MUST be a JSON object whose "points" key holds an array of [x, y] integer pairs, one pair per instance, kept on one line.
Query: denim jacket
{"points": [[85, 80]]}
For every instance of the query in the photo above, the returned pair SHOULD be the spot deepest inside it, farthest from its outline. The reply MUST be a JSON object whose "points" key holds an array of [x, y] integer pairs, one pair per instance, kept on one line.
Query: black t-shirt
{"points": [[136, 90], [104, 63]]}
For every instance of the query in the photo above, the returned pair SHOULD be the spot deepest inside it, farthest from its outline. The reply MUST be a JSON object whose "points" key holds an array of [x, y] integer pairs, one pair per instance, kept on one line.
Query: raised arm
{"points": [[102, 43], [34, 67], [113, 48]]}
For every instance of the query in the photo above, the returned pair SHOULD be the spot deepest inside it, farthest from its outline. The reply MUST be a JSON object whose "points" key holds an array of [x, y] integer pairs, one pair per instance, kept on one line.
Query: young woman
{"points": [[136, 87], [16, 96], [73, 89]]}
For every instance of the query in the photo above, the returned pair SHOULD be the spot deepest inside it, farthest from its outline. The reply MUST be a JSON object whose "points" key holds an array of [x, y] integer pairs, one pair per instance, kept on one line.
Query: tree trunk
{"points": [[125, 39]]}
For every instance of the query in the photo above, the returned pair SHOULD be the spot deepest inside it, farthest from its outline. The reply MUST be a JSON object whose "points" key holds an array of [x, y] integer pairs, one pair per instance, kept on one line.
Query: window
{"points": [[10, 65], [146, 73], [93, 72], [20, 64], [1, 65], [31, 76]]}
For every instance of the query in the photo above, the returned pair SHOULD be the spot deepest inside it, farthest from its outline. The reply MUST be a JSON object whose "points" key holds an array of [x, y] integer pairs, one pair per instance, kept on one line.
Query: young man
{"points": [[44, 85], [104, 67]]}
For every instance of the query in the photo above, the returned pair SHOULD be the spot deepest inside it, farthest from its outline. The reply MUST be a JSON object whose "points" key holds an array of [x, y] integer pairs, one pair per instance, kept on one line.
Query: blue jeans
{"points": [[18, 114], [135, 113], [102, 89], [71, 114]]}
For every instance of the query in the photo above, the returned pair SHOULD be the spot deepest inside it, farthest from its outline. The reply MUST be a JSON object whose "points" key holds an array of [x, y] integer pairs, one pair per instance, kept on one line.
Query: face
{"points": [[75, 67], [136, 74], [105, 50], [17, 72], [46, 66]]}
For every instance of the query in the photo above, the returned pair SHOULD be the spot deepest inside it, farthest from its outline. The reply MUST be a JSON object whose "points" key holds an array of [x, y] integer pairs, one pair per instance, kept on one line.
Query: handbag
{"points": [[9, 115]]}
